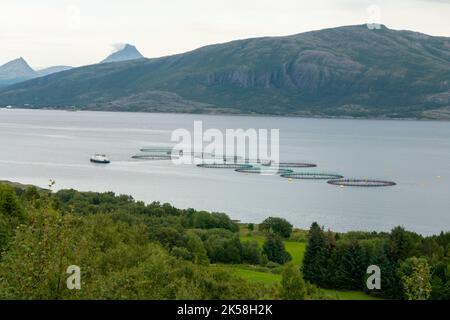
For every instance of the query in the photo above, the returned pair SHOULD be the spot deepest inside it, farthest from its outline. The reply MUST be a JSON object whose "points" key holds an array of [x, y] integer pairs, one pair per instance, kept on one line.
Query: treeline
{"points": [[126, 250], [412, 266]]}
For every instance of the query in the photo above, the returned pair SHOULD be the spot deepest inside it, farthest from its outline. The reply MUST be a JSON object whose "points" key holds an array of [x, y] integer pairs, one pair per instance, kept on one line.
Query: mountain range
{"points": [[19, 70], [349, 71]]}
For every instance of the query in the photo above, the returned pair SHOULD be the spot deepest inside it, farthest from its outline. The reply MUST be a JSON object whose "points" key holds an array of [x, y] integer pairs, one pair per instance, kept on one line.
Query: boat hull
{"points": [[100, 161]]}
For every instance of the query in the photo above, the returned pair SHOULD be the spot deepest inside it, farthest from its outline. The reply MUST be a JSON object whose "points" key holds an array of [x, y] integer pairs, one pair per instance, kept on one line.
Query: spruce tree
{"points": [[314, 261], [275, 251]]}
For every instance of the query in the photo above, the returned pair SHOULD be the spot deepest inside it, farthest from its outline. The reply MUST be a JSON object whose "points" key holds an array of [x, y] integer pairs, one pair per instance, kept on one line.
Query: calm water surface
{"points": [[38, 145]]}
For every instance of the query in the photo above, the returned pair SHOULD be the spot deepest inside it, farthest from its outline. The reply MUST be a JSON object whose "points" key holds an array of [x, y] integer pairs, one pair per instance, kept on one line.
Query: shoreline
{"points": [[68, 109], [238, 221]]}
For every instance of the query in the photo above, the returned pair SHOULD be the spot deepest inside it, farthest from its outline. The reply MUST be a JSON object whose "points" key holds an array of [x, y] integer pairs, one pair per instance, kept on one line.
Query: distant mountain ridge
{"points": [[19, 70], [128, 52], [349, 71]]}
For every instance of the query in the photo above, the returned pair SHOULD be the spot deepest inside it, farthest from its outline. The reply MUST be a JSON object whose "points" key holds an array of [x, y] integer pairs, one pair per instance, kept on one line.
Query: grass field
{"points": [[270, 278], [296, 249]]}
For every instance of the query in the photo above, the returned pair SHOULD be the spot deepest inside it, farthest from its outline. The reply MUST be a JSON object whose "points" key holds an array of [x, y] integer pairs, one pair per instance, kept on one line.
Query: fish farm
{"points": [[361, 183], [154, 157], [258, 170], [159, 150], [225, 166], [293, 165], [257, 166], [312, 176]]}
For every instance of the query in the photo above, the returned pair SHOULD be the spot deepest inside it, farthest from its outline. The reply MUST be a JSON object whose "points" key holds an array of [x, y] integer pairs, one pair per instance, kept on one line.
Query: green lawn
{"points": [[271, 278], [256, 276], [296, 249]]}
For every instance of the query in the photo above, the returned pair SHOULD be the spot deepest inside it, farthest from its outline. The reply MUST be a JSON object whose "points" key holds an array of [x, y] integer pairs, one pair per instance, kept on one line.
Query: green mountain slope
{"points": [[345, 71]]}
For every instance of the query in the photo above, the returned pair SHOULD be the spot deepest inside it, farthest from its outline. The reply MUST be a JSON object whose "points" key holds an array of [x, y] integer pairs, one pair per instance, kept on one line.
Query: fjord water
{"points": [[38, 145]]}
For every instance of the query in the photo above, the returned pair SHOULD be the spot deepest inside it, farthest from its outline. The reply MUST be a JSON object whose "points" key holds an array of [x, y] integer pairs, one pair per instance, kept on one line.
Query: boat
{"points": [[100, 158]]}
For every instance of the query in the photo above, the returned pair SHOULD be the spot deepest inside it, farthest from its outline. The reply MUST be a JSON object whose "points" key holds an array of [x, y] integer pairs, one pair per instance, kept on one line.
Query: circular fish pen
{"points": [[224, 158], [265, 171], [158, 150], [312, 176], [154, 157], [361, 183], [237, 166], [291, 165]]}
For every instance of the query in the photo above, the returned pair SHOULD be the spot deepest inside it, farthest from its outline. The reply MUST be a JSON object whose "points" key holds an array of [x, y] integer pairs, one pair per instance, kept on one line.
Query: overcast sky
{"points": [[80, 32]]}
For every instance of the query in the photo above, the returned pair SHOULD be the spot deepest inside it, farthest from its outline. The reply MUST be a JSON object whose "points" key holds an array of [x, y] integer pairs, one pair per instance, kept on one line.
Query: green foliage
{"points": [[225, 249], [205, 220], [278, 226], [441, 280], [11, 215], [293, 286], [275, 251], [130, 250], [251, 252], [349, 266], [402, 244], [197, 249], [416, 278], [340, 261], [315, 260]]}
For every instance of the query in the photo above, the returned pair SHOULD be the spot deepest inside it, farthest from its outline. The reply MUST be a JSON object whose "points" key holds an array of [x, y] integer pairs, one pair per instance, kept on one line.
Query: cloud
{"points": [[118, 46]]}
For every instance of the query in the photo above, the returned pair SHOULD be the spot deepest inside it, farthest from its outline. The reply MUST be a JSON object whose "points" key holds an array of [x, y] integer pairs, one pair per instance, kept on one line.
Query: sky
{"points": [[81, 32]]}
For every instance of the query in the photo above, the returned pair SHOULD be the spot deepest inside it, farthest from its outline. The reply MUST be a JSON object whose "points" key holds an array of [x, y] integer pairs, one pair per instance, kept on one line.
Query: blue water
{"points": [[38, 145]]}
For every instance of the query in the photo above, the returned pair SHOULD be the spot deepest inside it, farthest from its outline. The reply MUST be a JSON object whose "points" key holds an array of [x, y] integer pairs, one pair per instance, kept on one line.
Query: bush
{"points": [[293, 286], [251, 253], [278, 226]]}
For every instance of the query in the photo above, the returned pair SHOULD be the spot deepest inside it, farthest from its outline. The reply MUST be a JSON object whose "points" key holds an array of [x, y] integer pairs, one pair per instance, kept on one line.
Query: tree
{"points": [[251, 253], [415, 276], [277, 226], [11, 215], [350, 267], [293, 286], [314, 261], [197, 249], [275, 251], [402, 244]]}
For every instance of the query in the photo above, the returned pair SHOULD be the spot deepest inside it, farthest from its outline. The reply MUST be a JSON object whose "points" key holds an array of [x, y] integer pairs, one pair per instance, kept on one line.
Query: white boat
{"points": [[100, 158]]}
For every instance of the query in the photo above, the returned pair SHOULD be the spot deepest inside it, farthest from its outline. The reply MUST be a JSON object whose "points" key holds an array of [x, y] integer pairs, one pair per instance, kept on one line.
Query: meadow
{"points": [[297, 251]]}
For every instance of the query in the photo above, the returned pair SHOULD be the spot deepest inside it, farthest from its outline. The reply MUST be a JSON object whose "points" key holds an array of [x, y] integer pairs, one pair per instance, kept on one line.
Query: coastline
{"points": [[260, 115]]}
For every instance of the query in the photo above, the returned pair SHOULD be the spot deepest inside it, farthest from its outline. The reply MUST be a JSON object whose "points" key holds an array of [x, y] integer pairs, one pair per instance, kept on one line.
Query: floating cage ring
{"points": [[265, 170], [158, 150], [153, 157], [292, 165], [361, 183], [312, 176], [237, 166]]}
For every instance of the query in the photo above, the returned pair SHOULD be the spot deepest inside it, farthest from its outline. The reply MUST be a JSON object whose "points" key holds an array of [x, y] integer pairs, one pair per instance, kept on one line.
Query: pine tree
{"points": [[275, 251], [314, 261]]}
